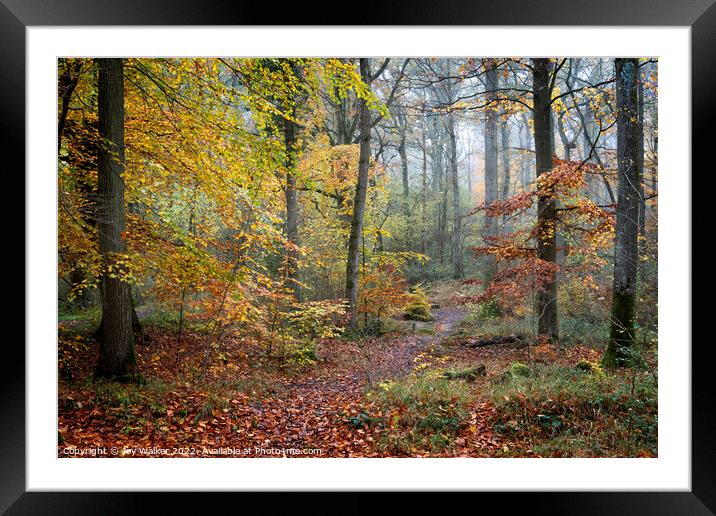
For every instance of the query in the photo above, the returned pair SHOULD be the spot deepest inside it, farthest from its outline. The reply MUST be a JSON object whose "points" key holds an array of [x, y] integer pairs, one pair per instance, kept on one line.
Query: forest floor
{"points": [[373, 397]]}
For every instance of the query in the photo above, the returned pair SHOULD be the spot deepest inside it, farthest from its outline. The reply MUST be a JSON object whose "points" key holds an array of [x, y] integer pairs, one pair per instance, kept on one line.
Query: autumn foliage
{"points": [[587, 227]]}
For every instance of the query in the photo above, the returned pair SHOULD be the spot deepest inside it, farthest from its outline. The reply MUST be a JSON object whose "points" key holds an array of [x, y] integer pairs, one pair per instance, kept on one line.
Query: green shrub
{"points": [[418, 309], [317, 319], [490, 309], [131, 404], [299, 353]]}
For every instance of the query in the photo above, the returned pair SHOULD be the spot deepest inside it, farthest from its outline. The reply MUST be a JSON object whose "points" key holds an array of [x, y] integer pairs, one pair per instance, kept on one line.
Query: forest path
{"points": [[399, 357], [318, 409]]}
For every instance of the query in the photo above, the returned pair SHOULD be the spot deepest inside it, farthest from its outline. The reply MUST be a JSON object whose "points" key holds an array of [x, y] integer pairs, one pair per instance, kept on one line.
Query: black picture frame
{"points": [[700, 15]]}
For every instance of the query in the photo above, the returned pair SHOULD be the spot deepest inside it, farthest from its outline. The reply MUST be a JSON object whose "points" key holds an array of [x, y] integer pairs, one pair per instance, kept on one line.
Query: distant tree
{"points": [[491, 152], [450, 123]]}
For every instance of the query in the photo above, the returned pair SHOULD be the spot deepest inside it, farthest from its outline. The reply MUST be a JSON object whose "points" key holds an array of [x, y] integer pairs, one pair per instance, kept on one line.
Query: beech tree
{"points": [[491, 152], [356, 233], [543, 84], [117, 358], [293, 232], [626, 256]]}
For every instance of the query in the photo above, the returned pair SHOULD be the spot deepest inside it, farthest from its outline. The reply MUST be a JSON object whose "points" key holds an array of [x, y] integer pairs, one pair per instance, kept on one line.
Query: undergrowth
{"points": [[422, 413], [578, 411]]}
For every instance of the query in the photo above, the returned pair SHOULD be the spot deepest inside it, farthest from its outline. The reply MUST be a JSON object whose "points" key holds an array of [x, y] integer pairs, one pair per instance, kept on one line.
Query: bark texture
{"points": [[291, 209], [491, 151], [456, 237], [506, 176], [622, 332], [354, 241], [547, 314], [117, 359]]}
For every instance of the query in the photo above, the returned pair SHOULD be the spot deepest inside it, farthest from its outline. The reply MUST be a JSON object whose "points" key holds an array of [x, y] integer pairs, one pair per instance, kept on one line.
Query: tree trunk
{"points": [[547, 315], [67, 82], [456, 241], [291, 209], [586, 148], [526, 168], [117, 359], [354, 242], [622, 332], [490, 229], [640, 161], [404, 172], [590, 135], [439, 188], [424, 198], [506, 179], [567, 146]]}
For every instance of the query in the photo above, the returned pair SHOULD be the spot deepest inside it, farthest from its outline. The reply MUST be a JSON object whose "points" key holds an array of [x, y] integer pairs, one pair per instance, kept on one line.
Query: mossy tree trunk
{"points": [[622, 331], [117, 359], [491, 152], [403, 153], [291, 193], [547, 314], [356, 234]]}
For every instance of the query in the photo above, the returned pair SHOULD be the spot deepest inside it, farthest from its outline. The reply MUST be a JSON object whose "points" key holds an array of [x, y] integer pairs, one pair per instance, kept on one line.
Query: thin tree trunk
{"points": [[354, 242], [117, 358], [506, 179], [439, 188], [456, 241], [291, 209], [424, 198], [528, 144], [491, 150], [640, 162], [404, 172], [622, 331], [547, 314], [67, 83], [567, 149], [591, 144]]}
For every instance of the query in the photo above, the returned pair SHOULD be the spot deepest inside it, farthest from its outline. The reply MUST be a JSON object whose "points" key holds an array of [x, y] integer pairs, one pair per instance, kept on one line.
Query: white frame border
{"points": [[670, 471]]}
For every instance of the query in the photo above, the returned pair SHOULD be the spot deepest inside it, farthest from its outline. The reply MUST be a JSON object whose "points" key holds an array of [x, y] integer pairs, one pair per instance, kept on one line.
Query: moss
{"points": [[418, 309], [622, 333], [470, 374], [518, 369], [590, 367]]}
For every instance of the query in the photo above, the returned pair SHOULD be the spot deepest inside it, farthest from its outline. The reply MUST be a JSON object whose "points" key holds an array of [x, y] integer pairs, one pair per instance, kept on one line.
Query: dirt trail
{"points": [[318, 409], [315, 408], [399, 354]]}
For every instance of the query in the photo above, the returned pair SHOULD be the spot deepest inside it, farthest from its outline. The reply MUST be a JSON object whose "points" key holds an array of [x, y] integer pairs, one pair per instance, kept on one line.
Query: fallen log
{"points": [[500, 339]]}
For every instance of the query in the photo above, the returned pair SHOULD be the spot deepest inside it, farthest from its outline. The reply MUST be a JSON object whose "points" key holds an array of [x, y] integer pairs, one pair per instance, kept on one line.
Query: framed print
{"points": [[418, 252]]}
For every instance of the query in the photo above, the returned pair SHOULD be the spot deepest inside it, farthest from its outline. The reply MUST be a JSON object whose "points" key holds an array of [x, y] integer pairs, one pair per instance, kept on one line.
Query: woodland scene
{"points": [[357, 257]]}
